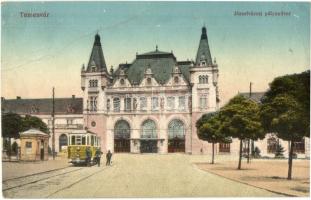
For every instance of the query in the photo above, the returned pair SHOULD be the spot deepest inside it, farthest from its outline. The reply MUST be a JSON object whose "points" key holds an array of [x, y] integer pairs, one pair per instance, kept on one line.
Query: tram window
{"points": [[78, 140], [92, 140], [83, 140], [73, 140], [88, 140]]}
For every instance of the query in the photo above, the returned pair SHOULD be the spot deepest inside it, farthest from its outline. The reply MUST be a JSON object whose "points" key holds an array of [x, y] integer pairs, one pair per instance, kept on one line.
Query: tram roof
{"points": [[82, 131]]}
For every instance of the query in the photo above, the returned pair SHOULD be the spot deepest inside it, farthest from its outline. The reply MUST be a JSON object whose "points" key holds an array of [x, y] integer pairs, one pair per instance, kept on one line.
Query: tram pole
{"points": [[53, 123]]}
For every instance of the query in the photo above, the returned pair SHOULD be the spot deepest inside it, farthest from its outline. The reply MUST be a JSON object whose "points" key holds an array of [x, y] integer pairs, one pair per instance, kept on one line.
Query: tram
{"points": [[79, 140]]}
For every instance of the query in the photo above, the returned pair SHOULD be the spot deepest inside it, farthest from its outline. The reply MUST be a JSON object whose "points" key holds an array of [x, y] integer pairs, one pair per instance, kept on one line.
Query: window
{"points": [[93, 69], [83, 140], [203, 79], [134, 104], [155, 103], [73, 140], [176, 79], [28, 144], [63, 141], [149, 81], [143, 103], [108, 104], [170, 103], [93, 83], [78, 140], [272, 145], [203, 101], [69, 121], [122, 130], [224, 147], [122, 81], [299, 147], [148, 129], [116, 104], [92, 140], [181, 103], [128, 104], [176, 129], [93, 103]]}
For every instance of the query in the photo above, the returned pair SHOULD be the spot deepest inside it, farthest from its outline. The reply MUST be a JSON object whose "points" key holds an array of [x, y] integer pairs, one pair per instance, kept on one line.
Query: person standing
{"points": [[88, 156], [108, 157], [98, 155]]}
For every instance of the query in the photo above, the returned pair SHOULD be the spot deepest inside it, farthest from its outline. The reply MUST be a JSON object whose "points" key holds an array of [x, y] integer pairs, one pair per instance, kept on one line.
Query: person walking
{"points": [[98, 154], [108, 158]]}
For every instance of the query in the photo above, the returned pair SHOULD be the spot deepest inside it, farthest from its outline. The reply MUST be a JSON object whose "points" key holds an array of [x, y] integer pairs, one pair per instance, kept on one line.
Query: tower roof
{"points": [[204, 53], [97, 60]]}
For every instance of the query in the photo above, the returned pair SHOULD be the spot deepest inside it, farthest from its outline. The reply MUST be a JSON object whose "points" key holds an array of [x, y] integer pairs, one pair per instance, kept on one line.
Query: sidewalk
{"points": [[23, 168]]}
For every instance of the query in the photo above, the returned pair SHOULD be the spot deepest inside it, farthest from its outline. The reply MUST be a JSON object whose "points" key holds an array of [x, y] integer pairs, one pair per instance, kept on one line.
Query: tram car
{"points": [[79, 140]]}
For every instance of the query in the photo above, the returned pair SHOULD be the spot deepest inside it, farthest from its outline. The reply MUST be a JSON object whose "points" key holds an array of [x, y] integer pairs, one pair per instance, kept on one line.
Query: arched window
{"points": [[200, 79], [122, 81], [116, 104], [148, 129], [122, 130], [176, 129], [206, 79], [63, 141]]}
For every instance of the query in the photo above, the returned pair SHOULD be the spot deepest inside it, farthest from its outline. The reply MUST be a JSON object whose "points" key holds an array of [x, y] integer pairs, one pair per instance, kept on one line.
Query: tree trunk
{"points": [[248, 149], [213, 154], [290, 160], [240, 154]]}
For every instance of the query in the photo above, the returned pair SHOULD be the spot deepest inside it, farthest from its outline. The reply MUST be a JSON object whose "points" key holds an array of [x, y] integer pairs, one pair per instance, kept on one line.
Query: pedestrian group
{"points": [[98, 154]]}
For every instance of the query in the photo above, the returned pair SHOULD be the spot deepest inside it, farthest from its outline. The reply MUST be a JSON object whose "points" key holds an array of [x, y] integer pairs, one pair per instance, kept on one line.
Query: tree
{"points": [[240, 119], [208, 129], [34, 122], [285, 110], [11, 125], [279, 152]]}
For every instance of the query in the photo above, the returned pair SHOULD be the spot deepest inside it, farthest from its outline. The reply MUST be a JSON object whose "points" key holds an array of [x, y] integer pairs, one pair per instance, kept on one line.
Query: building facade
{"points": [[151, 104], [68, 115]]}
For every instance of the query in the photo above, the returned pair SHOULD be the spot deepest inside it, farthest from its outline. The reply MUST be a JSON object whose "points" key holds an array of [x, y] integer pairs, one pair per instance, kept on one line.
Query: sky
{"points": [[39, 53]]}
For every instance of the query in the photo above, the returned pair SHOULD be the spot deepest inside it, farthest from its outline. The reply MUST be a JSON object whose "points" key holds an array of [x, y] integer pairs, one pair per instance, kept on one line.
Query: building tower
{"points": [[94, 80], [204, 83]]}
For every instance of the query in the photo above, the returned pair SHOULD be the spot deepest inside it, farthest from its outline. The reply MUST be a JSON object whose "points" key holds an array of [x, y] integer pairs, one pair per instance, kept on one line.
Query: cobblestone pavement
{"points": [[147, 175]]}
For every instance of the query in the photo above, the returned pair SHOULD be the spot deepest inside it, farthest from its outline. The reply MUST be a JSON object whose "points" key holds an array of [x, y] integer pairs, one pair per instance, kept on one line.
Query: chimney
{"points": [[18, 97], [73, 96]]}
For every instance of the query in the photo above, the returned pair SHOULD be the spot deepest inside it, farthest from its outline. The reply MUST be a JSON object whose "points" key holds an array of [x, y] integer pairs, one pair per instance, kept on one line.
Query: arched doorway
{"points": [[176, 136], [148, 137], [122, 134], [63, 142]]}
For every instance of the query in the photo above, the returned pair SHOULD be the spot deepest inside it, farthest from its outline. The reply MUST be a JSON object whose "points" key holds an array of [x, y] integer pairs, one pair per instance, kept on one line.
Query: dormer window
{"points": [[122, 82], [203, 63], [93, 69], [176, 79], [149, 81]]}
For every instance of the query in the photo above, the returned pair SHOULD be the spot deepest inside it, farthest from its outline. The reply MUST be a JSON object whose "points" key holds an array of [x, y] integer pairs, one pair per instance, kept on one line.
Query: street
{"points": [[131, 175]]}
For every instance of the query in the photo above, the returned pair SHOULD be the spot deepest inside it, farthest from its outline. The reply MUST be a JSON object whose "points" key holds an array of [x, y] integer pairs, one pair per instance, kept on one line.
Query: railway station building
{"points": [[150, 105]]}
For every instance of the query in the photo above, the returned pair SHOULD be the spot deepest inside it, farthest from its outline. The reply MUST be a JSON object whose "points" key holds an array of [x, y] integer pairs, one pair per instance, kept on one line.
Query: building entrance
{"points": [[122, 145], [176, 145], [122, 137], [176, 136], [148, 146]]}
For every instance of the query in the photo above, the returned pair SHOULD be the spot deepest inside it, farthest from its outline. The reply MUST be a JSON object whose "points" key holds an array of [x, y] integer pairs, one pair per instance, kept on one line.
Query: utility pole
{"points": [[249, 140], [53, 124]]}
